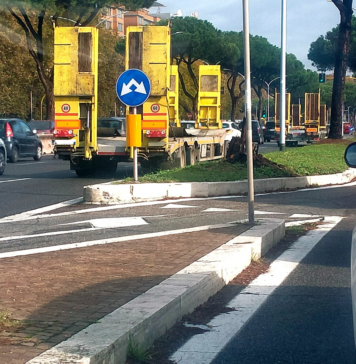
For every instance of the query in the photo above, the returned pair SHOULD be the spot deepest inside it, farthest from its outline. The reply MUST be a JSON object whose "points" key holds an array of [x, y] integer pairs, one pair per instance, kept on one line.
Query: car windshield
{"points": [[40, 125], [225, 125], [270, 125]]}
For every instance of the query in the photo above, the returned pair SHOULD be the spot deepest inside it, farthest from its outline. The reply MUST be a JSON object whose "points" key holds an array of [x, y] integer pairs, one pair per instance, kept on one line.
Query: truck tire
{"points": [[83, 172]]}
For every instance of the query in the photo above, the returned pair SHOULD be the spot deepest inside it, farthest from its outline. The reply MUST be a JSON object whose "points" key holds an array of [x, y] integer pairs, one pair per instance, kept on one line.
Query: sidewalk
{"points": [[146, 285]]}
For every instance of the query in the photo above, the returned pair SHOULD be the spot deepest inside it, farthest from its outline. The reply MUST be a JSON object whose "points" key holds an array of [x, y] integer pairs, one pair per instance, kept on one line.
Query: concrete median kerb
{"points": [[147, 317], [109, 193]]}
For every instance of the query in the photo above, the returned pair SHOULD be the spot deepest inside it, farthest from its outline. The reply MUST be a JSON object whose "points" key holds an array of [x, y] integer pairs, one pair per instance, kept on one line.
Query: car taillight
{"points": [[8, 131], [63, 133]]}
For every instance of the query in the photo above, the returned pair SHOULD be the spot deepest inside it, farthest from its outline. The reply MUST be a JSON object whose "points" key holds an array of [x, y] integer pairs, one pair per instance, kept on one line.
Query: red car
{"points": [[348, 128]]}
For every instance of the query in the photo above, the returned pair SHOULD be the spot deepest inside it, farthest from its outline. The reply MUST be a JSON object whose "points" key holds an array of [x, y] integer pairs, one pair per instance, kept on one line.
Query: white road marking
{"points": [[28, 164], [15, 180], [111, 240], [28, 215], [203, 348], [212, 209], [176, 206], [96, 224], [296, 223], [112, 223], [269, 213], [302, 216]]}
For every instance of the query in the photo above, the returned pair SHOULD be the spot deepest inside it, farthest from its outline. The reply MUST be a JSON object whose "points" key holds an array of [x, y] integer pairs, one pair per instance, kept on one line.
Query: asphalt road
{"points": [[29, 185], [308, 318]]}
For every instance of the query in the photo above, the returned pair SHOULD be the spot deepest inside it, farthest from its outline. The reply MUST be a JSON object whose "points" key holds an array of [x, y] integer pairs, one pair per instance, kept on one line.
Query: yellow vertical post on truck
{"points": [[149, 50], [75, 89], [209, 105], [173, 99]]}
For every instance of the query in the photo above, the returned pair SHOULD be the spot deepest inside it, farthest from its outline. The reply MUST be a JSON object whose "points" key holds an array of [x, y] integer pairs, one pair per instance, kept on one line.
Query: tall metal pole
{"points": [[267, 101], [282, 113], [246, 29]]}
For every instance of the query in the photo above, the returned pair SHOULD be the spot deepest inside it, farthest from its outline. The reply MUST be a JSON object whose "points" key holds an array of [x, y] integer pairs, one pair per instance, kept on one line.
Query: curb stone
{"points": [[147, 317], [125, 193]]}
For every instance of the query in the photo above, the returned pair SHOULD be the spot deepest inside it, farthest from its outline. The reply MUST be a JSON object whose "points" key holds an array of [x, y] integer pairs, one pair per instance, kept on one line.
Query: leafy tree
{"points": [[233, 67], [34, 16], [111, 65], [265, 66], [333, 51]]}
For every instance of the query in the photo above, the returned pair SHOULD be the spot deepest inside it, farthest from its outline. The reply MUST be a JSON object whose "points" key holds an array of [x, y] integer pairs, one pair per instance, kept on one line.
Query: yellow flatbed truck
{"points": [[164, 143]]}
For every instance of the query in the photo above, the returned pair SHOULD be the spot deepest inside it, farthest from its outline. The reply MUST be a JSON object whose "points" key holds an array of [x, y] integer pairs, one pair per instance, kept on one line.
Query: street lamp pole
{"points": [[246, 32], [268, 84], [282, 113]]}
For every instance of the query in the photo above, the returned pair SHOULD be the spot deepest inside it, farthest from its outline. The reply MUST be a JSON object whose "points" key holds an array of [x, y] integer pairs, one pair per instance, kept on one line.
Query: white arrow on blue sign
{"points": [[133, 87]]}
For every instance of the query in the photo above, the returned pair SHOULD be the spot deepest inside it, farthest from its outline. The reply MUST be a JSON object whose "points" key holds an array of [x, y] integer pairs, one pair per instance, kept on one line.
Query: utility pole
{"points": [[246, 30], [282, 113]]}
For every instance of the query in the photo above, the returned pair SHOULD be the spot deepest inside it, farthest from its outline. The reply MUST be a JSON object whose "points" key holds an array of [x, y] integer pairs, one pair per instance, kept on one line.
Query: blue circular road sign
{"points": [[133, 87]]}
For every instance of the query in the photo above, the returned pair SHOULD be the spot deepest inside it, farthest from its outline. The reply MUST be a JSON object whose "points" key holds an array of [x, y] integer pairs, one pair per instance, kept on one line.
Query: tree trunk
{"points": [[342, 52]]}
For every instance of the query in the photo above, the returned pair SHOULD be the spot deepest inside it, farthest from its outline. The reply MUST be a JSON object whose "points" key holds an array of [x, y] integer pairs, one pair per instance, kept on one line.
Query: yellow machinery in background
{"points": [[165, 143], [75, 90], [209, 105]]}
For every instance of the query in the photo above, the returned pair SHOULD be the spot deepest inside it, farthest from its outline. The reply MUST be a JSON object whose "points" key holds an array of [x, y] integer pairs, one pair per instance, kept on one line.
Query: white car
{"points": [[231, 125]]}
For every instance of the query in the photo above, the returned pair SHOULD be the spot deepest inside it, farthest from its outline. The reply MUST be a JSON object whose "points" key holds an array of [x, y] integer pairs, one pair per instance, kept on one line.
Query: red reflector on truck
{"points": [[155, 133], [63, 133]]}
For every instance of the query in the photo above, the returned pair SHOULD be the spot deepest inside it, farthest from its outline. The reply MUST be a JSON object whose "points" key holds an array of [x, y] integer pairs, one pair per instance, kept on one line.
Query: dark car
{"points": [[112, 126], [20, 140], [257, 132], [41, 126], [269, 131]]}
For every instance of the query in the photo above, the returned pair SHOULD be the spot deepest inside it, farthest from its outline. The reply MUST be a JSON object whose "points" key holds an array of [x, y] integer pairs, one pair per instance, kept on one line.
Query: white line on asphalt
{"points": [[15, 180], [29, 163], [203, 348], [96, 224], [111, 240], [27, 215]]}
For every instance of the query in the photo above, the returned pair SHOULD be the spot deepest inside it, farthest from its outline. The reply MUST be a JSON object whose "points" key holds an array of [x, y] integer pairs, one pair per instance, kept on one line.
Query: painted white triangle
{"points": [[268, 213], [303, 215], [175, 206], [212, 209], [113, 223]]}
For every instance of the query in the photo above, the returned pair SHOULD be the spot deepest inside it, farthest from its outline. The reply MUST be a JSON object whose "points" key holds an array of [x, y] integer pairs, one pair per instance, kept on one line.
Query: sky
{"points": [[306, 19]]}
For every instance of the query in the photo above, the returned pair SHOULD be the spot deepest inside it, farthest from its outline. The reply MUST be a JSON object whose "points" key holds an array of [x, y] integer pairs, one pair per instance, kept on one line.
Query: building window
{"points": [[119, 27], [119, 13], [140, 21], [109, 11], [108, 25]]}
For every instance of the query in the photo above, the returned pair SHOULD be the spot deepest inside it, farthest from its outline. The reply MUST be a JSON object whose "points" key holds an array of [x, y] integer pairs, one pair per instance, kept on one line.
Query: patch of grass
{"points": [[135, 354], [326, 157], [9, 324]]}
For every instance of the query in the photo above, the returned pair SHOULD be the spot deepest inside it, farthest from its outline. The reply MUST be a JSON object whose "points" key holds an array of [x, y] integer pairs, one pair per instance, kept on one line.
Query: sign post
{"points": [[133, 88]]}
